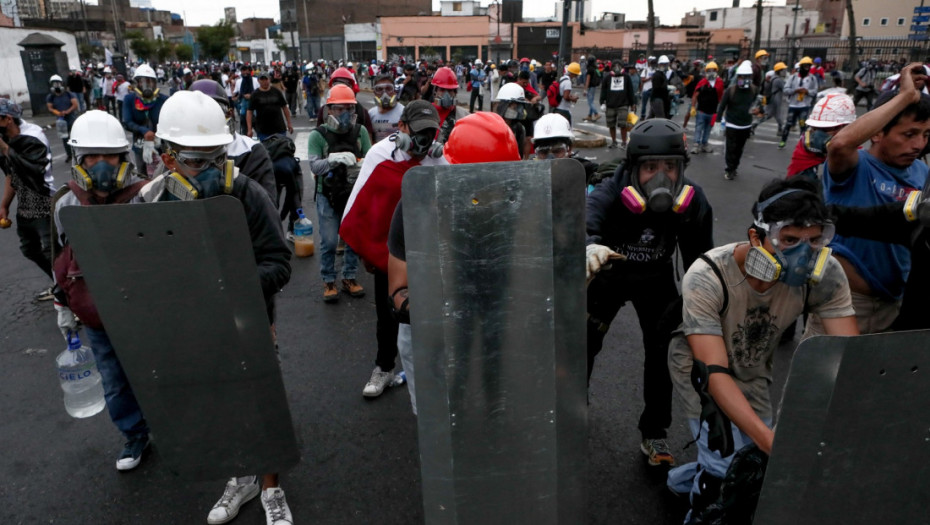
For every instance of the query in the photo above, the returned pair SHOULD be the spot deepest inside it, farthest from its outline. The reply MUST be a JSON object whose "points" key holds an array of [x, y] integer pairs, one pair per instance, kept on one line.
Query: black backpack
{"points": [[279, 146]]}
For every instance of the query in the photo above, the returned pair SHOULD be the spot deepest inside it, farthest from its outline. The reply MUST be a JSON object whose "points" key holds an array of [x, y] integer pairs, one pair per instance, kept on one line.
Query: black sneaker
{"points": [[44, 295], [729, 175], [132, 453]]}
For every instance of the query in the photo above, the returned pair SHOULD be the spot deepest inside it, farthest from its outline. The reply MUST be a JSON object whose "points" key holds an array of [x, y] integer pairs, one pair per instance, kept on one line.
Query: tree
{"points": [[142, 48], [214, 40], [184, 52], [163, 50], [757, 41], [651, 20], [853, 50]]}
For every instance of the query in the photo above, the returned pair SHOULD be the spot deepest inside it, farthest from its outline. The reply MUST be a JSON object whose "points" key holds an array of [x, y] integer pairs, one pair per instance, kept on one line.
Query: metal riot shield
{"points": [[177, 288], [852, 444], [495, 256]]}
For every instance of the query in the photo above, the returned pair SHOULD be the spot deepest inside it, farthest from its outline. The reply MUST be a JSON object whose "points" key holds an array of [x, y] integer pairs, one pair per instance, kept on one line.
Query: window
{"points": [[883, 21], [900, 21], [713, 16], [456, 6], [866, 21]]}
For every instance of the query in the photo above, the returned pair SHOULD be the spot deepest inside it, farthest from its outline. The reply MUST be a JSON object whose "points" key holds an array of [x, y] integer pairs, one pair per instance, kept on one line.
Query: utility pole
{"points": [[794, 33], [564, 57]]}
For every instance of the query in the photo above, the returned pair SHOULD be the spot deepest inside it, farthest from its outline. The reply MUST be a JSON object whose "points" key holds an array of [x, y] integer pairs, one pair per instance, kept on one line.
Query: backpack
{"points": [[337, 185], [767, 89], [279, 146], [553, 94]]}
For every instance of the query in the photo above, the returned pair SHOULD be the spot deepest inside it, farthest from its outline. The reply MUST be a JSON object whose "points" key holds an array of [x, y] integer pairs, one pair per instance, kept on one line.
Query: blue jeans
{"points": [[702, 127], [592, 108], [798, 115], [328, 223], [121, 402], [313, 106], [647, 98]]}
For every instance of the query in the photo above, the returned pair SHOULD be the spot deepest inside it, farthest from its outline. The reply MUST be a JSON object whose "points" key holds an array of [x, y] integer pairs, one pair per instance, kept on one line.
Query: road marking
{"points": [[301, 143]]}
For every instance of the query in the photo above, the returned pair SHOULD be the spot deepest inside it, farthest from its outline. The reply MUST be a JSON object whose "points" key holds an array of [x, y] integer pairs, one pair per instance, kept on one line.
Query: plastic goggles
{"points": [[200, 160], [384, 89], [785, 240], [557, 151]]}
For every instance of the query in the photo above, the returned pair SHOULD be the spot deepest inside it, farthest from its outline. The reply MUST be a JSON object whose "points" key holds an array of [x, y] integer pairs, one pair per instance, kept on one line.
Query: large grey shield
{"points": [[495, 256], [177, 288], [852, 443]]}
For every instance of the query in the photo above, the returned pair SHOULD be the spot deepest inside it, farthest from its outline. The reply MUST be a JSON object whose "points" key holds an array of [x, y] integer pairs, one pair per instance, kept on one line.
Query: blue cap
{"points": [[8, 107]]}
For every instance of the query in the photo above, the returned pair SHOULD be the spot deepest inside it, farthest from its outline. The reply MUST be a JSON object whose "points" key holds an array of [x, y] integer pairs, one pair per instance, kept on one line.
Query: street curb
{"points": [[587, 139]]}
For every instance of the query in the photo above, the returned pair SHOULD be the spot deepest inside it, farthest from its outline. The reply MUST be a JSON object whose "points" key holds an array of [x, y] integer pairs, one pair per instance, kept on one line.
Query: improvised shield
{"points": [[177, 288], [495, 256], [852, 443]]}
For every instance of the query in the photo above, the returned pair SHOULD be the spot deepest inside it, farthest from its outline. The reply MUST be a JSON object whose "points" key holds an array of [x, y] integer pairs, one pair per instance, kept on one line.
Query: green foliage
{"points": [[135, 34], [214, 40], [163, 50], [87, 51], [142, 48], [184, 52]]}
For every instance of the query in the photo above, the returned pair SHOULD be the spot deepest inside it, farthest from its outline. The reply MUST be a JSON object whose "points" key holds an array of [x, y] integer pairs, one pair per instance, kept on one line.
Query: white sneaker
{"points": [[378, 382], [276, 509], [290, 237], [233, 497]]}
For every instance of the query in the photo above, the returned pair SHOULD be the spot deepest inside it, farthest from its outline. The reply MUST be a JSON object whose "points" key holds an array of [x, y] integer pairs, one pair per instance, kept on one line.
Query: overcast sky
{"points": [[669, 11]]}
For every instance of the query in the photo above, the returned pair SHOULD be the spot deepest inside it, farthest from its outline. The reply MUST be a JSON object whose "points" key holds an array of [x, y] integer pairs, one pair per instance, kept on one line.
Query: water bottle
{"points": [[80, 379], [61, 126], [399, 378], [303, 235]]}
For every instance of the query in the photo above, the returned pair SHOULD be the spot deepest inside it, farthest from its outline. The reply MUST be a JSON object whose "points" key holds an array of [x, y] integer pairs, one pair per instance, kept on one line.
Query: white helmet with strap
{"points": [[144, 71], [190, 118], [553, 126], [511, 92]]}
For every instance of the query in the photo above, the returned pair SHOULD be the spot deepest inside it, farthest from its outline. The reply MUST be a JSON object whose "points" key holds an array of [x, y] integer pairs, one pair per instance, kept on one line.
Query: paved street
{"points": [[359, 457]]}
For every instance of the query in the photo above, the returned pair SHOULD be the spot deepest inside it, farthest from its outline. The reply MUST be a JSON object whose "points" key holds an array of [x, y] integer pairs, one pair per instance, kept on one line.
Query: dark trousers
{"points": [[735, 142], [35, 241], [288, 179], [387, 326], [798, 115], [651, 294], [291, 97], [869, 98], [475, 95]]}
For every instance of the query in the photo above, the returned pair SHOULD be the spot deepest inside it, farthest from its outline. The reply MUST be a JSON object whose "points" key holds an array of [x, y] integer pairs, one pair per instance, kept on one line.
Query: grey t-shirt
{"points": [[751, 326], [565, 84]]}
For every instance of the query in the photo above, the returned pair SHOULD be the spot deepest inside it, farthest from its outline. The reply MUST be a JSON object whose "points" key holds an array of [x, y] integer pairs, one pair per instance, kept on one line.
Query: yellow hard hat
{"points": [[806, 60], [574, 68], [779, 66], [711, 65], [762, 53]]}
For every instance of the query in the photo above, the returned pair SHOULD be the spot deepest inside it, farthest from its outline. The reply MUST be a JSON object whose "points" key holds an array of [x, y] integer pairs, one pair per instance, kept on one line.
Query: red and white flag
{"points": [[367, 218]]}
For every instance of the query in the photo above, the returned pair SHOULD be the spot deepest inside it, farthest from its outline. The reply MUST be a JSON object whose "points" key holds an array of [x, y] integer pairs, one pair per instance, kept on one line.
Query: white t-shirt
{"points": [[122, 90], [226, 86], [385, 123], [565, 84], [647, 78], [239, 84]]}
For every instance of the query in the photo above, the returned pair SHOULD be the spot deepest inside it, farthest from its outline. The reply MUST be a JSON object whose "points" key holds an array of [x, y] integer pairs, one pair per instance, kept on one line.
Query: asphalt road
{"points": [[359, 457]]}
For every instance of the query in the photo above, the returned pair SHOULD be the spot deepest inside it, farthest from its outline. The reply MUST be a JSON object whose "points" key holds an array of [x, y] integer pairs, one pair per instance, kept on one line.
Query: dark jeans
{"points": [[735, 142], [288, 179], [387, 326], [291, 97], [121, 401], [476, 95], [798, 115], [869, 98], [35, 241], [647, 97], [651, 293]]}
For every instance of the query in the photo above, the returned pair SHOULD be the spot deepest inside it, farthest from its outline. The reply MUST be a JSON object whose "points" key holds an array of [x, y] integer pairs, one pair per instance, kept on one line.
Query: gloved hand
{"points": [[597, 256], [693, 111], [67, 321], [604, 107], [148, 151], [345, 158]]}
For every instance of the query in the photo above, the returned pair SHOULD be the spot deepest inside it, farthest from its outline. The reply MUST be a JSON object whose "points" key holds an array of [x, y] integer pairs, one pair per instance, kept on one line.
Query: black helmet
{"points": [[657, 136]]}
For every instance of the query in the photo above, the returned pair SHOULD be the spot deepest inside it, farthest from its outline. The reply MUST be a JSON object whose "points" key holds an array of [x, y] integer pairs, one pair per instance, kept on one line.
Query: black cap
{"points": [[420, 115], [264, 74]]}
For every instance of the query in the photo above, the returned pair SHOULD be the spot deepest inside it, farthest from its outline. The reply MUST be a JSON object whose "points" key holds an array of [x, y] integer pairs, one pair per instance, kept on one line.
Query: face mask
{"points": [[794, 266], [711, 75], [517, 113], [386, 101], [342, 123], [743, 83], [419, 145], [781, 73], [658, 195], [446, 100], [804, 71], [208, 183], [57, 90], [101, 176]]}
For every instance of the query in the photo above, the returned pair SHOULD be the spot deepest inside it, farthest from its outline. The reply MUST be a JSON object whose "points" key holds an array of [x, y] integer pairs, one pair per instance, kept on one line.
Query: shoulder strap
{"points": [[723, 283]]}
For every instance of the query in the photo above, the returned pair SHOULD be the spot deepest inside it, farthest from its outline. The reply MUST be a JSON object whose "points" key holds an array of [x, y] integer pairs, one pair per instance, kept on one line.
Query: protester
{"points": [[706, 98], [734, 106], [618, 98], [801, 90]]}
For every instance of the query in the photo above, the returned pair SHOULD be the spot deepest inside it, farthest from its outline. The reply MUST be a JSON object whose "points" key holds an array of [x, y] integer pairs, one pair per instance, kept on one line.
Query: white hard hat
{"points": [[107, 70], [187, 71], [512, 92], [191, 118], [55, 78], [745, 68], [477, 61], [533, 62], [99, 65], [835, 109], [97, 132], [144, 71], [552, 126], [582, 57], [348, 64], [663, 59]]}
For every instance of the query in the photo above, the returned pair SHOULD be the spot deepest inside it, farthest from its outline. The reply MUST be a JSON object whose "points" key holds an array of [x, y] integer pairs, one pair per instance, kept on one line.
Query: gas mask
{"points": [[343, 123], [711, 75], [781, 73], [515, 111], [57, 88], [446, 100], [917, 206], [386, 101], [796, 260], [805, 70], [147, 89], [210, 182], [420, 145], [663, 191], [101, 176], [743, 82]]}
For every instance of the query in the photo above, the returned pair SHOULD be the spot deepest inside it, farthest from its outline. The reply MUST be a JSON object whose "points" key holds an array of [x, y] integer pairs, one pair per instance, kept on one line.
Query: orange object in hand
{"points": [[5, 223]]}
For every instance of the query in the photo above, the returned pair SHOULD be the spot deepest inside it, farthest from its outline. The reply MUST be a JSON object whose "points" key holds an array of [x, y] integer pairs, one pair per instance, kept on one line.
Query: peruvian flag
{"points": [[367, 218]]}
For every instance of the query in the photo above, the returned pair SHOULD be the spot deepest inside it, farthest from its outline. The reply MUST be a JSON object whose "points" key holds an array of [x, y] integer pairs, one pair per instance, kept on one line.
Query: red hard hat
{"points": [[344, 74], [524, 59], [481, 137], [445, 78]]}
